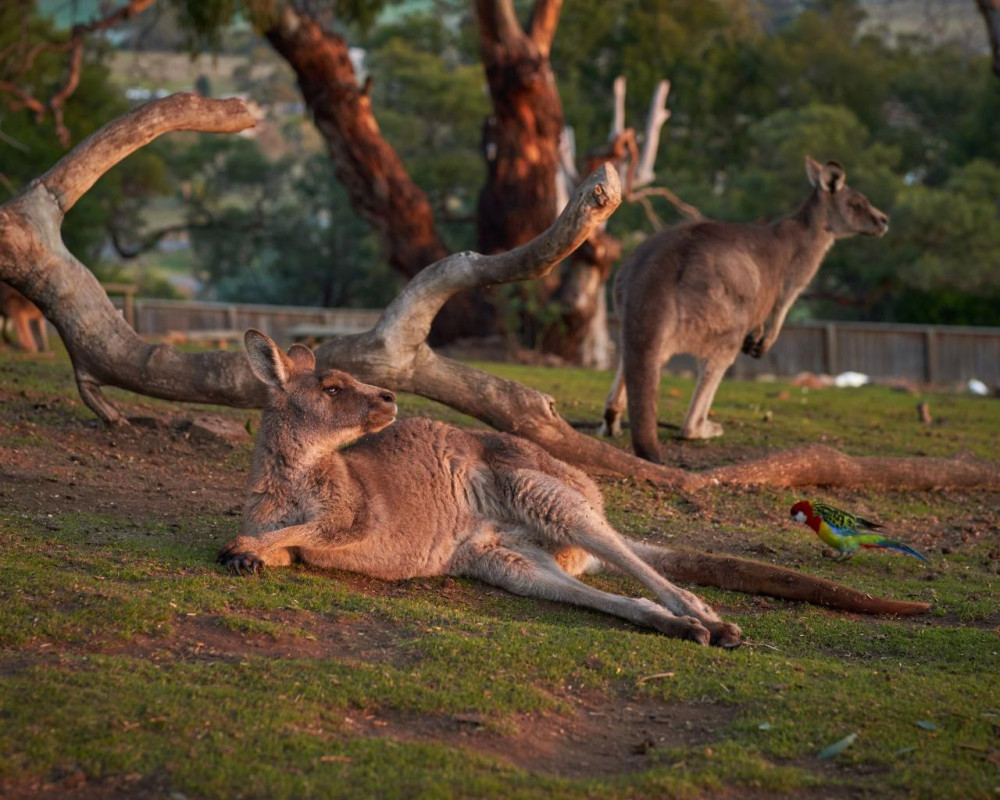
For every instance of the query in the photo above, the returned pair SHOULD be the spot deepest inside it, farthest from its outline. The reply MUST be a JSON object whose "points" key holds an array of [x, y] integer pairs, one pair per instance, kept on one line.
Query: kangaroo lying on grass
{"points": [[714, 288], [334, 486]]}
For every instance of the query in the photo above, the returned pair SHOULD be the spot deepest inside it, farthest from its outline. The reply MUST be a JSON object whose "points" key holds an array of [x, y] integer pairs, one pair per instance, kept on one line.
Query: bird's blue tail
{"points": [[903, 548]]}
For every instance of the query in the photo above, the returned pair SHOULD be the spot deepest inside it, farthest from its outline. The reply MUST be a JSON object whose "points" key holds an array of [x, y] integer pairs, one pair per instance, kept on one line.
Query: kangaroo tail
{"points": [[756, 577], [889, 544]]}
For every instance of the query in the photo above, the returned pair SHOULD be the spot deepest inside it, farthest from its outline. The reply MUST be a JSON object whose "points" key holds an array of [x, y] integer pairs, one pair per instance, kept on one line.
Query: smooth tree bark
{"points": [[105, 351]]}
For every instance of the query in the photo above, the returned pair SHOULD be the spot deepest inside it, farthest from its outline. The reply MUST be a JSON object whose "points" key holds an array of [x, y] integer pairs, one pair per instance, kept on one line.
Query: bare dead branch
{"points": [[408, 318], [657, 117], [618, 119], [79, 170]]}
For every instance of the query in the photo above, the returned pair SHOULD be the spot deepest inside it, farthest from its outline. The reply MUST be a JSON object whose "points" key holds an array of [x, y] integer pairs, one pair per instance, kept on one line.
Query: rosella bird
{"points": [[843, 531]]}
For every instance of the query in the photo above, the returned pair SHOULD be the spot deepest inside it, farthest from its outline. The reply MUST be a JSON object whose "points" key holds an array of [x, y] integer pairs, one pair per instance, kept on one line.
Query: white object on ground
{"points": [[851, 380], [977, 387]]}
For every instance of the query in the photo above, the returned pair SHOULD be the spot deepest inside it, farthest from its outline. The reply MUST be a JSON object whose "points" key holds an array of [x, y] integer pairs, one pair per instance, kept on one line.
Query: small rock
{"points": [[210, 428]]}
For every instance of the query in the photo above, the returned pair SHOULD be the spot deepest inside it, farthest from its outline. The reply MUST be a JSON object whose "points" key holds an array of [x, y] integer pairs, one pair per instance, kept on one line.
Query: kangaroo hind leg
{"points": [[529, 571], [615, 404], [697, 425], [559, 516]]}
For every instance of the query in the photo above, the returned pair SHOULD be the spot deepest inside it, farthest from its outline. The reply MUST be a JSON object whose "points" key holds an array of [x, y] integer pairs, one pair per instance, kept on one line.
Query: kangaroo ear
{"points": [[813, 170], [302, 357], [266, 359], [834, 177]]}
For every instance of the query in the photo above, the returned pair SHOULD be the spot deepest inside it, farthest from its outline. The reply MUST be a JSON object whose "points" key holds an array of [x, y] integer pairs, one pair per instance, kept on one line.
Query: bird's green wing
{"points": [[844, 522]]}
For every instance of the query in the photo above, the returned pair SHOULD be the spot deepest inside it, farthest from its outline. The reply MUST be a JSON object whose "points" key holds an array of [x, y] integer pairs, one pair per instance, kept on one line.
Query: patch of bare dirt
{"points": [[601, 736], [160, 466]]}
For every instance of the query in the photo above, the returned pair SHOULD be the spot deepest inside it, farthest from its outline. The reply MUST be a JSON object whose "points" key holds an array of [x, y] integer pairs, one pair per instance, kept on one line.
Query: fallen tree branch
{"points": [[105, 351]]}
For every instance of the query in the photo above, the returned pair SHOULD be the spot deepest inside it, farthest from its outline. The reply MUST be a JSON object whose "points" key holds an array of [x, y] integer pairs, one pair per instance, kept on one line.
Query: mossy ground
{"points": [[130, 665]]}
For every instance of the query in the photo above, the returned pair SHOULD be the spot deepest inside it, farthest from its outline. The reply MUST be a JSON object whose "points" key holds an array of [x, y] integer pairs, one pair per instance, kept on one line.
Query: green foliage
{"points": [[29, 148], [278, 231], [916, 124]]}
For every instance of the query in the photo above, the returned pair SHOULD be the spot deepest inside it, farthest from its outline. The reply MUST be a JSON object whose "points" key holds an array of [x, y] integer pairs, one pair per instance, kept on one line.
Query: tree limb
{"points": [[543, 24], [990, 9]]}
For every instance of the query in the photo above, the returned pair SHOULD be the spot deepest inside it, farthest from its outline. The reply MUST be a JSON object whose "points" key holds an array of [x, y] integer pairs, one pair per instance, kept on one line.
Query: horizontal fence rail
{"points": [[940, 354]]}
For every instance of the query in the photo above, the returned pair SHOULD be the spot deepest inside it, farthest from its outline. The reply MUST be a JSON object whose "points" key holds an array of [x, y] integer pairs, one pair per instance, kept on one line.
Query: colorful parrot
{"points": [[844, 531]]}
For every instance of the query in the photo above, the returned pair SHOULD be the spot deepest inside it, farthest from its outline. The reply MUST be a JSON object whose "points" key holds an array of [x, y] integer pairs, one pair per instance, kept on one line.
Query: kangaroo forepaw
{"points": [[240, 563], [755, 346]]}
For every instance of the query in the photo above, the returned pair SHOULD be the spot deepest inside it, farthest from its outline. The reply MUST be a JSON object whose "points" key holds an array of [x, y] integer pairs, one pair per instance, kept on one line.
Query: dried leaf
{"points": [[764, 726], [927, 726], [837, 748], [645, 678]]}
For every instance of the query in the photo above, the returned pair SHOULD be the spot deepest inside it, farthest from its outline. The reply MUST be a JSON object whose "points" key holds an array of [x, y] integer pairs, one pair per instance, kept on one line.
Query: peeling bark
{"points": [[106, 351], [521, 138]]}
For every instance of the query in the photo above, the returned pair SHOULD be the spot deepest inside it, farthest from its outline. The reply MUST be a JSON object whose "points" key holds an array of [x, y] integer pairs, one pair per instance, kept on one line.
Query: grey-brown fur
{"points": [[335, 484], [714, 288]]}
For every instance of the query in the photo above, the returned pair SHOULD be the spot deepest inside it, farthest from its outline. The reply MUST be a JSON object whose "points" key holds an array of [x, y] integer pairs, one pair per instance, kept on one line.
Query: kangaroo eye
{"points": [[331, 390]]}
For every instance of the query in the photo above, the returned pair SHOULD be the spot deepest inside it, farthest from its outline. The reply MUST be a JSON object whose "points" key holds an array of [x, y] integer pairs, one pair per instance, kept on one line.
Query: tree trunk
{"points": [[521, 137], [106, 351], [990, 10], [580, 334], [378, 184]]}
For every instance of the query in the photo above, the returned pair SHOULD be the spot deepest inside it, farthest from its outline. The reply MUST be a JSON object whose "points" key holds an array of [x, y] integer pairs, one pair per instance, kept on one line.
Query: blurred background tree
{"points": [[912, 110]]}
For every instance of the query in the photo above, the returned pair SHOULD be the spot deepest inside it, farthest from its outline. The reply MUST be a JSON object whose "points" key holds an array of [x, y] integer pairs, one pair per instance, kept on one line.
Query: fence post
{"points": [[830, 348], [930, 355]]}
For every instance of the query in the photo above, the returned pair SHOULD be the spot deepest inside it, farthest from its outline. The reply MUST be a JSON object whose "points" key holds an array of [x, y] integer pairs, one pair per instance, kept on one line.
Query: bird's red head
{"points": [[802, 511]]}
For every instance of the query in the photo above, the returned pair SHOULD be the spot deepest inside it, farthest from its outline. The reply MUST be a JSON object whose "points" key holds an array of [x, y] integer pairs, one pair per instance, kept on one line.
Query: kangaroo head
{"points": [[326, 407], [846, 211]]}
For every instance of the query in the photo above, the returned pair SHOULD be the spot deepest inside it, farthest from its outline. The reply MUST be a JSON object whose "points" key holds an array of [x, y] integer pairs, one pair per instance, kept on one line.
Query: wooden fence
{"points": [[939, 354]]}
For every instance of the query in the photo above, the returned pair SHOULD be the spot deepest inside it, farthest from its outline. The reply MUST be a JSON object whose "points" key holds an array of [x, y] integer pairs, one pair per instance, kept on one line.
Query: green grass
{"points": [[128, 657]]}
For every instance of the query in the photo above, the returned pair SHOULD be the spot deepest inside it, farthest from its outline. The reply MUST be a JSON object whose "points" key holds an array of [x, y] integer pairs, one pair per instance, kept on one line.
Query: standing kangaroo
{"points": [[714, 288], [334, 486]]}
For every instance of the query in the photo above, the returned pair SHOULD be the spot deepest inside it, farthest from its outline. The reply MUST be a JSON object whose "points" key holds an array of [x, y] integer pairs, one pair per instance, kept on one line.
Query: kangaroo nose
{"points": [[882, 220], [388, 397]]}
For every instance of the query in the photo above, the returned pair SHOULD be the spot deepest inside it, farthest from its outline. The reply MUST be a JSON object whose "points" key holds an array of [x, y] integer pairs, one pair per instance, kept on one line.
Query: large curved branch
{"points": [[103, 348], [76, 172], [408, 318]]}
